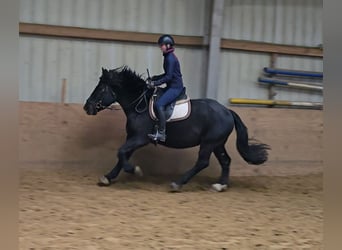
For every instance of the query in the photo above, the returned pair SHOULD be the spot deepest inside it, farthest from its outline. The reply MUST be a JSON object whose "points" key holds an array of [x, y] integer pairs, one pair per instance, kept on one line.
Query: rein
{"points": [[139, 99]]}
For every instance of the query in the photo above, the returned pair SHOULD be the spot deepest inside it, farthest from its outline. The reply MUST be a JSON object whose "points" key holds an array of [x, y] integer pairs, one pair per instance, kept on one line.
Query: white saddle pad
{"points": [[181, 111]]}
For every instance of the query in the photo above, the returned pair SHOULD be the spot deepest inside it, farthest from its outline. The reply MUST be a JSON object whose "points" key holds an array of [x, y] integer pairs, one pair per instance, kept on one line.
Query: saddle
{"points": [[176, 111]]}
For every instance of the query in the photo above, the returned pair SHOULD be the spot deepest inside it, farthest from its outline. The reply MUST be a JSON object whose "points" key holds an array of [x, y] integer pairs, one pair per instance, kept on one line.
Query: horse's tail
{"points": [[251, 152]]}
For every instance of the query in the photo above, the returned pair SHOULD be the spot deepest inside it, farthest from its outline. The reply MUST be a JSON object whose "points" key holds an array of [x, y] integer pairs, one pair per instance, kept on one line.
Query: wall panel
{"points": [[45, 62]]}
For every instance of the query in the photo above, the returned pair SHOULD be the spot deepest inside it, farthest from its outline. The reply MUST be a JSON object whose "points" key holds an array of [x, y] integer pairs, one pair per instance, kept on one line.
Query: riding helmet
{"points": [[166, 39]]}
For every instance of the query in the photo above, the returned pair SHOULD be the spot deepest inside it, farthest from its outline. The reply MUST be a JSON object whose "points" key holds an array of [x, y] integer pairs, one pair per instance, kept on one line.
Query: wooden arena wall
{"points": [[54, 134]]}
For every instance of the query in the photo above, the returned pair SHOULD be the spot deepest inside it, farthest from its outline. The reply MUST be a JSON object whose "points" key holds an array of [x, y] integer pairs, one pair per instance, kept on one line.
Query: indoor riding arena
{"points": [[262, 59]]}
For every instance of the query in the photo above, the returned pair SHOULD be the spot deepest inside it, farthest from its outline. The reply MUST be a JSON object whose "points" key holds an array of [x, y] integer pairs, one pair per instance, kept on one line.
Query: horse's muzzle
{"points": [[90, 108]]}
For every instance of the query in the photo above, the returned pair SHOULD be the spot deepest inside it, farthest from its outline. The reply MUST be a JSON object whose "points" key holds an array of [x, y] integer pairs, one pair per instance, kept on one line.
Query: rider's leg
{"points": [[160, 133], [168, 97]]}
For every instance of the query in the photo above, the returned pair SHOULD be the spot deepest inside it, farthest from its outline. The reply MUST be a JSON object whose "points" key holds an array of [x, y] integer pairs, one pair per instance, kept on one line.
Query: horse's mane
{"points": [[127, 77]]}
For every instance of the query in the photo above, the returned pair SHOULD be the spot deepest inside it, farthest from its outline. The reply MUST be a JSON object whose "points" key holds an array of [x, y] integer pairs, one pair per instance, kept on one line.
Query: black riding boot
{"points": [[160, 133]]}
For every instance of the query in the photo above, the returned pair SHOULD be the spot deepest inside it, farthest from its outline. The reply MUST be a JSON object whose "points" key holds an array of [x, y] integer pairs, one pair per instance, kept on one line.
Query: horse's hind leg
{"points": [[202, 162], [224, 160]]}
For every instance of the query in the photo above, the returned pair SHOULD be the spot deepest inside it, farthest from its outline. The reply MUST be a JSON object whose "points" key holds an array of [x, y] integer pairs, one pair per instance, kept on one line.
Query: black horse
{"points": [[208, 126]]}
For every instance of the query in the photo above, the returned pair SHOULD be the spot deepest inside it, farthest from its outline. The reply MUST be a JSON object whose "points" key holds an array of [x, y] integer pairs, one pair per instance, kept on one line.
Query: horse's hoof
{"points": [[175, 187], [138, 171], [219, 187], [103, 181]]}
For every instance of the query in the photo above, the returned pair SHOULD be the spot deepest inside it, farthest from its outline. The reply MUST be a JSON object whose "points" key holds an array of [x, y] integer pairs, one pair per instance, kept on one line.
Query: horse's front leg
{"points": [[124, 154]]}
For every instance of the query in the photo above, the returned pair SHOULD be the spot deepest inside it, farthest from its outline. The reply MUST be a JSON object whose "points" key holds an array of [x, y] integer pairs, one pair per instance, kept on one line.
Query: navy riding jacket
{"points": [[172, 76]]}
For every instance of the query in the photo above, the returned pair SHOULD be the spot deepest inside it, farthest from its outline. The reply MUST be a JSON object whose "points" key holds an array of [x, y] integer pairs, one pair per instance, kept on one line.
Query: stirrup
{"points": [[158, 136]]}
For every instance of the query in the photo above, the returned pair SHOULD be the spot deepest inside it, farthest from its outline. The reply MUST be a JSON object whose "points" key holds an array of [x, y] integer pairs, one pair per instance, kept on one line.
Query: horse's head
{"points": [[120, 85], [102, 96]]}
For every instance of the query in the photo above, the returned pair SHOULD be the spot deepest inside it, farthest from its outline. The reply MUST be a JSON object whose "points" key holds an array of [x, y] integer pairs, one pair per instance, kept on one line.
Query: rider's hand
{"points": [[149, 83]]}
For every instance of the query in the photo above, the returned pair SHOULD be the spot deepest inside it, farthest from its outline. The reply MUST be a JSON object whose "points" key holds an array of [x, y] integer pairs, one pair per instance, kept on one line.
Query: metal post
{"points": [[63, 90], [271, 91], [214, 49]]}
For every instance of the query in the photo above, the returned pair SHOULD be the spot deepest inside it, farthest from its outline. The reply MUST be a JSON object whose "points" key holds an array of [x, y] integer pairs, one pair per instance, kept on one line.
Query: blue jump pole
{"points": [[290, 84], [293, 72]]}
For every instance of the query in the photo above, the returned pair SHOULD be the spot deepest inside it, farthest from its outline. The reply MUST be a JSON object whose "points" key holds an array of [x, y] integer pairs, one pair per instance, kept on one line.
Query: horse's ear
{"points": [[110, 74], [103, 70]]}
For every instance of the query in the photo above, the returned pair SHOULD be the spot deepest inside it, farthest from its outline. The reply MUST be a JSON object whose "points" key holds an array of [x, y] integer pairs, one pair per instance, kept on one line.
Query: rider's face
{"points": [[163, 48]]}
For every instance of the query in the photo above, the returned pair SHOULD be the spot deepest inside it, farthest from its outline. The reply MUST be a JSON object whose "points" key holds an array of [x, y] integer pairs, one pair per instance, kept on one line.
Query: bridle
{"points": [[141, 98], [98, 105]]}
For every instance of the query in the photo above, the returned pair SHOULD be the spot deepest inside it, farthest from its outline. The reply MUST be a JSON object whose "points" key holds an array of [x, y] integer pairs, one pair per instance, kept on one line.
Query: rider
{"points": [[174, 84]]}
